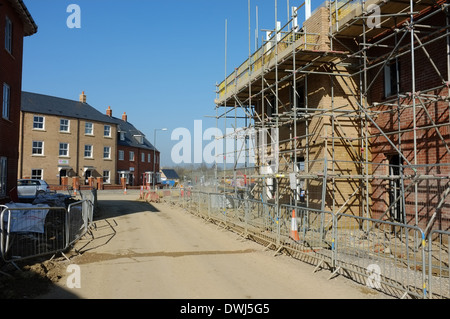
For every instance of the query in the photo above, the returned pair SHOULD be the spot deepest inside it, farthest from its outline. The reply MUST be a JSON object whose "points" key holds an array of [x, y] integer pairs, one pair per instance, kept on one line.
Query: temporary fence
{"points": [[438, 264], [395, 258], [308, 233], [384, 255], [28, 231]]}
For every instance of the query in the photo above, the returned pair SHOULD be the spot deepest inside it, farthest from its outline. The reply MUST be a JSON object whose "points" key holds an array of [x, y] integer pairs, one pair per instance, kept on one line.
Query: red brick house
{"points": [[137, 159], [15, 23]]}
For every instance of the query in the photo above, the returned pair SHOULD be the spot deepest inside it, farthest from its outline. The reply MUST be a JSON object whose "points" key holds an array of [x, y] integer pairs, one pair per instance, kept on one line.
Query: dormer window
{"points": [[122, 136], [139, 139]]}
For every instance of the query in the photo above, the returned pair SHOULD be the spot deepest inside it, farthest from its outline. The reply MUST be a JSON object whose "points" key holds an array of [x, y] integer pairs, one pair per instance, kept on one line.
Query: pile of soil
{"points": [[31, 280]]}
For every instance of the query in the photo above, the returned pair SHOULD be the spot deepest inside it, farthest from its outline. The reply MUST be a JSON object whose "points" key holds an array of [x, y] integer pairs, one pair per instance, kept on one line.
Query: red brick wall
{"points": [[430, 148], [11, 73]]}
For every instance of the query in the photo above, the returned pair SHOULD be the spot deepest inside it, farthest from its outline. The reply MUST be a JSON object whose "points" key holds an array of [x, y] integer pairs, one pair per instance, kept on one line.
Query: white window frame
{"points": [[66, 149], [107, 131], [6, 101], [61, 125], [131, 154], [37, 176], [149, 157], [88, 128], [8, 35], [107, 152], [89, 148], [143, 157], [121, 155], [37, 148], [37, 123]]}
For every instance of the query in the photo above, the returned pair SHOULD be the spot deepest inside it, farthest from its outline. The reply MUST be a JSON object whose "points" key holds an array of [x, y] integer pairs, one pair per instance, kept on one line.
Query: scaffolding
{"points": [[347, 112]]}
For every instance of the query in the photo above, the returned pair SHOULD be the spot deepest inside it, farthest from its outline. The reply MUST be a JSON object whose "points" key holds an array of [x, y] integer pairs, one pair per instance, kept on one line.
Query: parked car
{"points": [[31, 188]]}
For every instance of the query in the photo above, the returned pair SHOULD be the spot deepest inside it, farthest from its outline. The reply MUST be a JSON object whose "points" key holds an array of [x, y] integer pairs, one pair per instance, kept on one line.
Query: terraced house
{"points": [[66, 142], [16, 23], [137, 158]]}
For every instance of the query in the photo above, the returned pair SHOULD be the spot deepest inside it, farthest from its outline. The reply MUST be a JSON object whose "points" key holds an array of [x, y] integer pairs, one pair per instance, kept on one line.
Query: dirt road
{"points": [[155, 251]]}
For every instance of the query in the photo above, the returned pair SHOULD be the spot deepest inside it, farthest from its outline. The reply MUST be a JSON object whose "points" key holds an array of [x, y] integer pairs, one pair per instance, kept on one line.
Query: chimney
{"points": [[83, 97], [109, 111], [124, 117]]}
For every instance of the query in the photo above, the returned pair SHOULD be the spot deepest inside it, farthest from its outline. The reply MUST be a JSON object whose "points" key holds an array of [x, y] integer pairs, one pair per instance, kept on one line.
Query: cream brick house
{"points": [[66, 142]]}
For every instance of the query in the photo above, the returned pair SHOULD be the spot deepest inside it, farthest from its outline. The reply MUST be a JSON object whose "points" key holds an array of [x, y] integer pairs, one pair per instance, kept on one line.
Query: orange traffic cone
{"points": [[294, 227], [125, 191]]}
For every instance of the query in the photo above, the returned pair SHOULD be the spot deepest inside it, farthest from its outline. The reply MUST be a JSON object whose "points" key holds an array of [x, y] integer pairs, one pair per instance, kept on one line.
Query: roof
{"points": [[30, 26], [170, 173], [45, 104], [130, 133]]}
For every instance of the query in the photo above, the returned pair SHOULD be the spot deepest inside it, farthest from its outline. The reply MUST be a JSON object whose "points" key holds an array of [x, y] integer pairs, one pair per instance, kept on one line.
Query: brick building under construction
{"points": [[353, 104]]}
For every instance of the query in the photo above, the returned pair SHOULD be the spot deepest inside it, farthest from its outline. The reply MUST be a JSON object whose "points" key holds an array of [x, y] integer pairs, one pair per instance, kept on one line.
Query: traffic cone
{"points": [[294, 227], [125, 191]]}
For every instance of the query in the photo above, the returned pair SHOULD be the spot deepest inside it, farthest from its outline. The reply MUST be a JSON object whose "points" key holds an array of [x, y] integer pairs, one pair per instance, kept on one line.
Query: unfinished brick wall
{"points": [[430, 138]]}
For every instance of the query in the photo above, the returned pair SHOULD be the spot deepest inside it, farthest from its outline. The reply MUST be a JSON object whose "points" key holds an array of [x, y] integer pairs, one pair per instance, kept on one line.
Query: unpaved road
{"points": [[155, 251]]}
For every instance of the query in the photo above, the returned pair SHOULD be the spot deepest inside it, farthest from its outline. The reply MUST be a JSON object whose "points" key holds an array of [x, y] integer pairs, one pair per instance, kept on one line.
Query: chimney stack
{"points": [[124, 117], [83, 97], [109, 111]]}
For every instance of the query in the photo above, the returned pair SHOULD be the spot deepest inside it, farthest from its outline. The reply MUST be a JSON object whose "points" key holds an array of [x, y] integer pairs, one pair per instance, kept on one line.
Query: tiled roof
{"points": [[45, 104], [130, 134], [30, 26], [170, 173]]}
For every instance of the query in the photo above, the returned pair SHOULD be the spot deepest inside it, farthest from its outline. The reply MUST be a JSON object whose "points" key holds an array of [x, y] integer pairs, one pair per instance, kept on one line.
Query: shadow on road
{"points": [[114, 208]]}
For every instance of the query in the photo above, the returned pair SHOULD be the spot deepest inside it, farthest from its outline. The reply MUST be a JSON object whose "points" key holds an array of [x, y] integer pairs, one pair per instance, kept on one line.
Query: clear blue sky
{"points": [[158, 61]]}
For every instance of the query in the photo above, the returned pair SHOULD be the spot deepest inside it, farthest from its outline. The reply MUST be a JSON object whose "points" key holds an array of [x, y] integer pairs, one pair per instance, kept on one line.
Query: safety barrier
{"points": [[438, 264], [29, 231], [394, 258], [173, 196], [308, 233], [80, 217], [383, 255]]}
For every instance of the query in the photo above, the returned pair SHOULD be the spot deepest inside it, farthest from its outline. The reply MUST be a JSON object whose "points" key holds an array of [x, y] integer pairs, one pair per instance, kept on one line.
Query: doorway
{"points": [[396, 200], [62, 174]]}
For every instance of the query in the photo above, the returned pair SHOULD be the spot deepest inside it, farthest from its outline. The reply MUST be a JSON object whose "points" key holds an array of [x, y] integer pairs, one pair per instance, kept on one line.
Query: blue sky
{"points": [[158, 61]]}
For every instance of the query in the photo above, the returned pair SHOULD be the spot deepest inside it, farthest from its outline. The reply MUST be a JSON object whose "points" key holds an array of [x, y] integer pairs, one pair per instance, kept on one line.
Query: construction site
{"points": [[346, 116]]}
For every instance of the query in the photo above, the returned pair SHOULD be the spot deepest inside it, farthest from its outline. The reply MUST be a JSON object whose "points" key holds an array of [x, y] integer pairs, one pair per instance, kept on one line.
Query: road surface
{"points": [[156, 251]]}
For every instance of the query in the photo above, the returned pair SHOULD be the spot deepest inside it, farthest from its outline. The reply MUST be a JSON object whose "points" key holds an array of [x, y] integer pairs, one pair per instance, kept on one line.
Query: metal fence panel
{"points": [[80, 217], [438, 264], [27, 233], [309, 232], [381, 254], [387, 256]]}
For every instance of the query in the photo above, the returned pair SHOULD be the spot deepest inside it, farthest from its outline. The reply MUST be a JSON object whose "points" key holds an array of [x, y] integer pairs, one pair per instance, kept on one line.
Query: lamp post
{"points": [[154, 155]]}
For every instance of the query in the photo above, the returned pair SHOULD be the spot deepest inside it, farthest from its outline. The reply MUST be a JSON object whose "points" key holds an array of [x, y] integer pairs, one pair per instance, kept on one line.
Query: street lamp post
{"points": [[154, 155]]}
